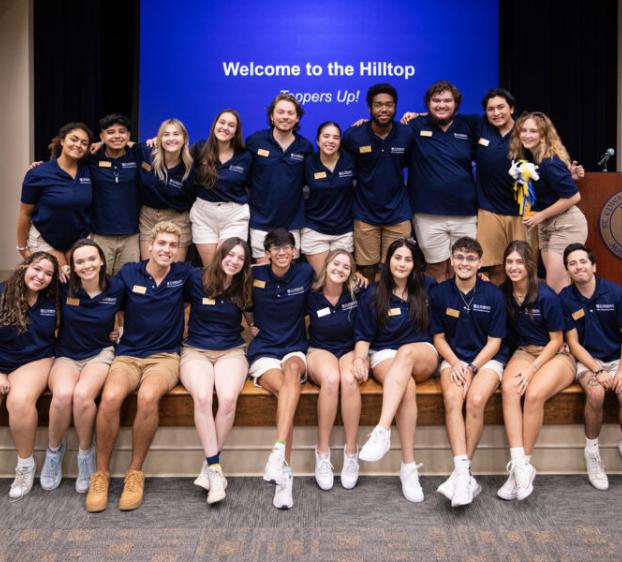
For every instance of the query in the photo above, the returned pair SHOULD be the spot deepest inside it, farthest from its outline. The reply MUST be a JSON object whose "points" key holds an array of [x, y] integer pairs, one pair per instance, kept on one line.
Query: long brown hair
{"points": [[240, 291], [550, 143], [14, 307], [349, 283], [55, 147], [523, 249], [207, 159], [75, 283]]}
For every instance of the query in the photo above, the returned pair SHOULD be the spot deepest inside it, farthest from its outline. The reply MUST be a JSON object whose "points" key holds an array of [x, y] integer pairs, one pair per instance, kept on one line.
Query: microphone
{"points": [[605, 158]]}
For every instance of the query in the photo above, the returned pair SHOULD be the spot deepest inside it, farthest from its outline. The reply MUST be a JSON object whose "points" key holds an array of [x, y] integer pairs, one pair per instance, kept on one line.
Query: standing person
{"points": [[593, 311], [84, 352], [222, 167], [539, 368], [116, 200], [332, 306], [146, 360], [469, 324], [166, 185], [28, 319], [330, 175], [381, 208], [56, 197], [212, 356], [559, 221], [277, 174], [393, 328], [277, 352]]}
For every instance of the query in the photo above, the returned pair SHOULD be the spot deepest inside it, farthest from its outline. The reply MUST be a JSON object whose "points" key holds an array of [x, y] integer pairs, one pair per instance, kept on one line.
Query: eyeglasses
{"points": [[284, 248], [468, 259]]}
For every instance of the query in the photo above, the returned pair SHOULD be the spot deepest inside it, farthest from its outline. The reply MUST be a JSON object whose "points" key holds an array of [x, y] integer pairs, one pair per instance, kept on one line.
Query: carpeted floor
{"points": [[565, 519]]}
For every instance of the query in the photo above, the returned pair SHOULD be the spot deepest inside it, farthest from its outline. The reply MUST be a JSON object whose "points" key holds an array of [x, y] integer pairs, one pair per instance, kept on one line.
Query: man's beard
{"points": [[442, 122]]}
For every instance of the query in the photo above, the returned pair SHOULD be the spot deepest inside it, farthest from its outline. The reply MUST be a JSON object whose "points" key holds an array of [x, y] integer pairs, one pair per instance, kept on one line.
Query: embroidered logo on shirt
{"points": [[176, 283], [603, 307], [109, 300], [295, 291], [461, 136], [237, 169], [397, 150], [297, 157], [128, 164], [349, 305], [47, 312], [85, 180], [175, 183], [346, 174], [482, 307]]}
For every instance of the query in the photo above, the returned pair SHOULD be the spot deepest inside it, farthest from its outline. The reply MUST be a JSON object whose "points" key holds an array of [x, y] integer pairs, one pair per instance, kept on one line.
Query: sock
{"points": [[517, 454], [53, 449], [287, 470], [214, 459], [591, 446], [279, 446], [383, 429], [85, 452], [462, 462], [28, 462], [528, 458]]}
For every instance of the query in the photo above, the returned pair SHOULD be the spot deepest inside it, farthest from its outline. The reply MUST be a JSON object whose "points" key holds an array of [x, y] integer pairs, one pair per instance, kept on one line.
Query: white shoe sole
{"points": [[215, 499], [348, 485]]}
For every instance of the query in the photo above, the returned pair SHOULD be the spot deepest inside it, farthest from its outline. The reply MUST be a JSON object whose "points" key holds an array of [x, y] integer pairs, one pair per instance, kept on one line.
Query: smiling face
{"points": [[87, 263], [442, 106], [233, 262], [115, 137], [39, 275], [339, 269], [516, 267], [281, 256], [580, 268], [75, 144], [163, 249], [172, 139], [329, 140], [499, 112], [529, 134], [382, 109], [401, 263], [225, 127], [284, 116], [465, 263]]}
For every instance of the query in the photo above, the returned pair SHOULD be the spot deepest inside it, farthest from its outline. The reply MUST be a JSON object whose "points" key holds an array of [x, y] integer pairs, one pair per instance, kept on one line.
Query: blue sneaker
{"points": [[52, 471], [86, 467]]}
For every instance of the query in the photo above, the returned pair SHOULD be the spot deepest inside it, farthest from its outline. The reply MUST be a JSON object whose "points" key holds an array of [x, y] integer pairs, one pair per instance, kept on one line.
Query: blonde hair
{"points": [[158, 164], [550, 143], [165, 227], [320, 281]]}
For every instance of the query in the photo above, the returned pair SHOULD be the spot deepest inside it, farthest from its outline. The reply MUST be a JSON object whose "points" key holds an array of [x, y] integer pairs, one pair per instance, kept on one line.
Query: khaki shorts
{"points": [[118, 250], [149, 217], [213, 222], [139, 369], [495, 232], [531, 352], [492, 365], [556, 233], [610, 366], [314, 242], [258, 236], [35, 242], [437, 233], [189, 353], [371, 241], [105, 356]]}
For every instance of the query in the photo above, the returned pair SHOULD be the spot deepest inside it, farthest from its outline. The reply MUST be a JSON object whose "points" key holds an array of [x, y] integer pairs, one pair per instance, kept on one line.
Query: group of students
{"points": [[151, 200]]}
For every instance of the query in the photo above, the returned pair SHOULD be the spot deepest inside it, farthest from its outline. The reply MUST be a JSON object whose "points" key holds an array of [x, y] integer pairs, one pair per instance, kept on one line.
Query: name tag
{"points": [[484, 142], [210, 302], [452, 312], [146, 166], [578, 314], [425, 133], [323, 312], [139, 289], [263, 152], [104, 164], [319, 175], [259, 284], [364, 149], [73, 302], [395, 311]]}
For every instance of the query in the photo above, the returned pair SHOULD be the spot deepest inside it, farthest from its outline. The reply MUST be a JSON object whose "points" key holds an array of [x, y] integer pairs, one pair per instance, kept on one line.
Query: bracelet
{"points": [[21, 248], [599, 372]]}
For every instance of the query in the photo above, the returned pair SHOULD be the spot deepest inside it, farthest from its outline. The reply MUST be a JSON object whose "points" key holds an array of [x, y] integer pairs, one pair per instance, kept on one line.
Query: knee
{"points": [[330, 384], [452, 403], [227, 403], [292, 374], [534, 399], [476, 403], [112, 399], [348, 382], [595, 397], [19, 406], [147, 399], [203, 402], [62, 399], [82, 398]]}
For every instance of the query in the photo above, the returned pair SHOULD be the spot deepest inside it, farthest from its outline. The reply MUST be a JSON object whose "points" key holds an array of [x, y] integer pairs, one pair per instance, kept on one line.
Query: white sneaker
{"points": [[52, 471], [217, 485], [377, 445], [86, 467], [274, 467], [411, 488], [324, 475], [350, 470], [466, 488], [202, 480], [283, 498], [447, 488], [524, 475], [508, 490], [24, 478], [596, 471]]}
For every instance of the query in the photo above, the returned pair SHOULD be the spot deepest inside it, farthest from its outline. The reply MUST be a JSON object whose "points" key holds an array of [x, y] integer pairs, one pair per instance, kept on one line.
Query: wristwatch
{"points": [[473, 368]]}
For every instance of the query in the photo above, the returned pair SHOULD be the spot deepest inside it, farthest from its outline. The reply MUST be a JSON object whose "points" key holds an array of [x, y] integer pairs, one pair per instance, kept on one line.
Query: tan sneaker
{"points": [[133, 488], [97, 497]]}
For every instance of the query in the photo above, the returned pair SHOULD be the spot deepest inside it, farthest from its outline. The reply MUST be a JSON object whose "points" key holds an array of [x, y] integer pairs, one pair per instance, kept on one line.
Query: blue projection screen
{"points": [[197, 58]]}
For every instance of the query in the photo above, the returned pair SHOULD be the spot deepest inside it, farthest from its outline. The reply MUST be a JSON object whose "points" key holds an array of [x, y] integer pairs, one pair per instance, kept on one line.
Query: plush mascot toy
{"points": [[524, 174]]}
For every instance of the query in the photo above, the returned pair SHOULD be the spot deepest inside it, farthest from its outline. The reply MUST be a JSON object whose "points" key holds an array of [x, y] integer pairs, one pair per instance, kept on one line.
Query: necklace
{"points": [[467, 305]]}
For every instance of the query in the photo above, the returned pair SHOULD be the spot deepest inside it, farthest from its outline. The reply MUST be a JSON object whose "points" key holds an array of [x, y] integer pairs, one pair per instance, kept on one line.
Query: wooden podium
{"points": [[601, 202]]}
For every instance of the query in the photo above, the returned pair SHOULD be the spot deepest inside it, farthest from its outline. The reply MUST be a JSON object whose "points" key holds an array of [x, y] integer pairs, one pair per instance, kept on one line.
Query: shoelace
{"points": [[132, 482], [98, 483], [596, 460], [216, 479], [350, 464], [375, 436], [413, 470], [51, 466], [325, 466], [21, 476]]}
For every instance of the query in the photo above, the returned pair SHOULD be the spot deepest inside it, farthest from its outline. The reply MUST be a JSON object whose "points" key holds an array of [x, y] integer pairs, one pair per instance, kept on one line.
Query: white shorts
{"points": [[257, 238], [213, 222], [436, 234], [377, 357], [314, 242], [493, 365], [610, 366], [264, 364]]}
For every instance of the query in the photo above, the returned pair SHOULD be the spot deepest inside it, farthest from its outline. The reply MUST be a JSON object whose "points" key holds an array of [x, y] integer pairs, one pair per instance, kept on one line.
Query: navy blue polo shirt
{"points": [[440, 167], [232, 178], [277, 179], [87, 322], [331, 327], [154, 315], [397, 331], [174, 193], [329, 207], [215, 323], [116, 199], [555, 183], [380, 196], [598, 320], [37, 342], [532, 323], [468, 320], [495, 186], [279, 310], [62, 203]]}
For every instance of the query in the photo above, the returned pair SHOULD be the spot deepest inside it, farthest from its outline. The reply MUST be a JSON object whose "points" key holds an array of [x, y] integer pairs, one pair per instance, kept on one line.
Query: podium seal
{"points": [[610, 224]]}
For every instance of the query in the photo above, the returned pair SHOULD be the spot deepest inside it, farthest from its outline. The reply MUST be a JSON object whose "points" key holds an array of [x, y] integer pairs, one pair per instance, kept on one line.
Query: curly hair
{"points": [[14, 307]]}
